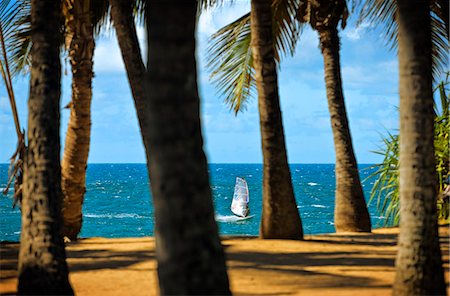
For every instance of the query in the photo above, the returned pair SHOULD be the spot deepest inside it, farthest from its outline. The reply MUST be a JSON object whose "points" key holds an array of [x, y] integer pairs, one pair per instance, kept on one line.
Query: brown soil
{"points": [[344, 264]]}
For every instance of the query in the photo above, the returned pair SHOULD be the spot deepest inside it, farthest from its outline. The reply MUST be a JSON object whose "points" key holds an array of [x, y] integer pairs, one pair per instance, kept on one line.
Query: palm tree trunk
{"points": [[280, 217], [80, 39], [188, 250], [42, 258], [122, 17], [419, 264], [350, 212]]}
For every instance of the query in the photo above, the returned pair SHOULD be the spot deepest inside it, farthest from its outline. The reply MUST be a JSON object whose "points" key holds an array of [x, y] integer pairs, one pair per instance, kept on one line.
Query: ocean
{"points": [[118, 200]]}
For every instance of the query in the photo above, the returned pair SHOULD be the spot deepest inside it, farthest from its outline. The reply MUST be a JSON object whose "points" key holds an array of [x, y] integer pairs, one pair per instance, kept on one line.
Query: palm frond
{"points": [[100, 16], [382, 12], [139, 11], [105, 24], [286, 28], [204, 5], [441, 9], [230, 60], [16, 25], [231, 63], [386, 176], [10, 14]]}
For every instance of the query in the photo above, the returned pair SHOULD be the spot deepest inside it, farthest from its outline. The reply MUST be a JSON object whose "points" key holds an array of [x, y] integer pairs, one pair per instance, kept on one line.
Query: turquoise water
{"points": [[118, 203]]}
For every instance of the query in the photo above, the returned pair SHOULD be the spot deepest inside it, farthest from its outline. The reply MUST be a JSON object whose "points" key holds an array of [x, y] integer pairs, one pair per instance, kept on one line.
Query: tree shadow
{"points": [[375, 240], [347, 267], [9, 253], [294, 275], [84, 260], [311, 259], [312, 270], [79, 260], [115, 241]]}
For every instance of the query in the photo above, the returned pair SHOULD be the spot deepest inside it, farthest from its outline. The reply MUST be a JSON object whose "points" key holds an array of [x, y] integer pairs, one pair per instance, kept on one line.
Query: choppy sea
{"points": [[118, 200]]}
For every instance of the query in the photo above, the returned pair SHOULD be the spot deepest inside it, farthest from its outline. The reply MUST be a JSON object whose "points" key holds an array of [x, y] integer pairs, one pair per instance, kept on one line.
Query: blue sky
{"points": [[369, 74]]}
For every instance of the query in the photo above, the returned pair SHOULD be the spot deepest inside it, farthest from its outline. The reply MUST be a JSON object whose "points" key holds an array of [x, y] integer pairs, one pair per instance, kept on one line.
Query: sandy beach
{"points": [[331, 264]]}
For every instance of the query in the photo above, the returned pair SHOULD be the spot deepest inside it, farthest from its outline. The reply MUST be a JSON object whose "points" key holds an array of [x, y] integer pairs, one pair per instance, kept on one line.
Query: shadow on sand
{"points": [[264, 267]]}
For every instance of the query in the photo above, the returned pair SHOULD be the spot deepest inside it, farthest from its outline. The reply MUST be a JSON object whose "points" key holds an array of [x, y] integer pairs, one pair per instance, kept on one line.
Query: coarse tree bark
{"points": [[350, 213], [418, 264], [280, 216], [42, 258], [80, 42], [188, 250]]}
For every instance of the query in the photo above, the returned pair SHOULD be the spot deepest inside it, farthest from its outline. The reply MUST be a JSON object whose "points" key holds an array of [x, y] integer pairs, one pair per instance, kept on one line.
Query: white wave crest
{"points": [[313, 184], [114, 216], [318, 206]]}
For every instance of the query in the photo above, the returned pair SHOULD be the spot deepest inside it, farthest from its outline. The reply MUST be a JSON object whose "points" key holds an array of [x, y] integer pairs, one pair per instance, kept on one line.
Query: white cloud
{"points": [[107, 55], [213, 19], [375, 74], [206, 24], [307, 50], [354, 33]]}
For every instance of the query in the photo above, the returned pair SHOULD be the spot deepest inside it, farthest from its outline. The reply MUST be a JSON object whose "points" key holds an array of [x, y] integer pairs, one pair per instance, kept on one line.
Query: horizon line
{"points": [[3, 163]]}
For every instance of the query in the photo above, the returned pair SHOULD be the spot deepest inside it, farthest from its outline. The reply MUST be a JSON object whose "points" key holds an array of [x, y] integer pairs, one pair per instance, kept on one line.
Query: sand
{"points": [[344, 264]]}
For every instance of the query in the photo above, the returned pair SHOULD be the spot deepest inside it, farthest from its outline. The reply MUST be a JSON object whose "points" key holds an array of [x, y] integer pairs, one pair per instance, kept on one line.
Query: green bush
{"points": [[385, 189]]}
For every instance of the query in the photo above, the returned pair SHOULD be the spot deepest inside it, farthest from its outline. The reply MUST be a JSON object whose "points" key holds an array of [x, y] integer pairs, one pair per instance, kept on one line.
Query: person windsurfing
{"points": [[239, 205]]}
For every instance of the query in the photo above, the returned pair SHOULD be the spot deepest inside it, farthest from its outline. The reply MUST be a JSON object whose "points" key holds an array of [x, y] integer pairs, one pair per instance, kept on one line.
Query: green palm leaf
{"points": [[231, 63], [286, 28], [16, 26], [15, 18], [382, 12], [230, 60], [385, 189]]}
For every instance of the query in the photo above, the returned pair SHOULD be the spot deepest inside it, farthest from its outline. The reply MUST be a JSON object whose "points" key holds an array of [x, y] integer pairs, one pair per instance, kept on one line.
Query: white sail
{"points": [[239, 205]]}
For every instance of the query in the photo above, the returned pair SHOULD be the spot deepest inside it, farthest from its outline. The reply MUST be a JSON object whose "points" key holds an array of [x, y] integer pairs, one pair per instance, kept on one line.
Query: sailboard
{"points": [[239, 205], [232, 218]]}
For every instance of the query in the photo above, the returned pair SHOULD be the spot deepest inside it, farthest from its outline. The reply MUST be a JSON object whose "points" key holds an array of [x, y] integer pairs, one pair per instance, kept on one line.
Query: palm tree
{"points": [[168, 238], [81, 17], [123, 21], [233, 69], [350, 213], [80, 44], [42, 258], [188, 250], [230, 59], [280, 217], [419, 265], [228, 62]]}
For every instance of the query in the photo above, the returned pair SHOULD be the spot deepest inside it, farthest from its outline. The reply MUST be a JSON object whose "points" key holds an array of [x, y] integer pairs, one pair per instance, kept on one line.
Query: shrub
{"points": [[386, 185]]}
